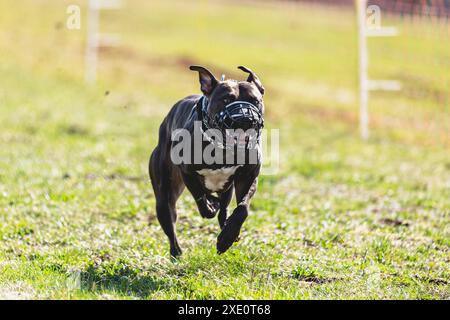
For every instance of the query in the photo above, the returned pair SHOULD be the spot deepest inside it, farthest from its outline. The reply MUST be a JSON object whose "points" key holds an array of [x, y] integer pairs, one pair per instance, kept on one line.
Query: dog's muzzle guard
{"points": [[234, 116]]}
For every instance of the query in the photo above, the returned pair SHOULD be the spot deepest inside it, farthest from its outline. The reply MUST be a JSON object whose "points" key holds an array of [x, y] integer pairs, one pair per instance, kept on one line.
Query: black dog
{"points": [[225, 104]]}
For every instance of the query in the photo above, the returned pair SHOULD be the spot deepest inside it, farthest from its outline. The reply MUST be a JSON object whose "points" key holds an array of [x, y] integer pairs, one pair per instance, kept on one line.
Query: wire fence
{"points": [[415, 9]]}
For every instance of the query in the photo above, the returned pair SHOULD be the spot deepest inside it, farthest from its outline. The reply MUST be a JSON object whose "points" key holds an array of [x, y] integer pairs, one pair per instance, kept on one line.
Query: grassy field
{"points": [[342, 218]]}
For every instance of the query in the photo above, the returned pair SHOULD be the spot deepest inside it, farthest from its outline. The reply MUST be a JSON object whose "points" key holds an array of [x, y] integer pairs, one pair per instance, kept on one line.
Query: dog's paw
{"points": [[213, 206], [175, 251], [228, 236], [209, 206], [231, 230]]}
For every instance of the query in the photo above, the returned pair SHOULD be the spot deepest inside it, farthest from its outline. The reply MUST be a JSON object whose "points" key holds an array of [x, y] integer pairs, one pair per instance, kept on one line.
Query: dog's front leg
{"points": [[225, 199], [207, 204], [245, 187]]}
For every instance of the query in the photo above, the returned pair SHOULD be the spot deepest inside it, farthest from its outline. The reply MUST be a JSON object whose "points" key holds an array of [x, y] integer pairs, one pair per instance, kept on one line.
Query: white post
{"points": [[92, 43], [94, 38], [363, 65], [365, 84]]}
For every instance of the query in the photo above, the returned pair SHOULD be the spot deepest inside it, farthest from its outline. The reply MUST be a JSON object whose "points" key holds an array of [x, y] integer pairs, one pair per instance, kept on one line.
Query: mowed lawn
{"points": [[341, 219]]}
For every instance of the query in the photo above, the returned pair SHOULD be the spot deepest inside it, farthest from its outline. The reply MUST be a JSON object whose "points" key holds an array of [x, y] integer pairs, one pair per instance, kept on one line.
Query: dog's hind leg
{"points": [[168, 186], [225, 199]]}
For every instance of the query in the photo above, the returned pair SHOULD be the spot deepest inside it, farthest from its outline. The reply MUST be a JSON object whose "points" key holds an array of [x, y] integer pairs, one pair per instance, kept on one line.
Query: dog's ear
{"points": [[252, 77], [207, 80]]}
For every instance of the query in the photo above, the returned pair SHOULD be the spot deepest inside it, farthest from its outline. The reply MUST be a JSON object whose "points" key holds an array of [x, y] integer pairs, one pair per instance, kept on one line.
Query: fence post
{"points": [[365, 84], [363, 65], [94, 38]]}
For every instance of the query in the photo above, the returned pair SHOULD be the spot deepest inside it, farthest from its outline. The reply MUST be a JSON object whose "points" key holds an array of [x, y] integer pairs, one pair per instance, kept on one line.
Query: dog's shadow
{"points": [[123, 281]]}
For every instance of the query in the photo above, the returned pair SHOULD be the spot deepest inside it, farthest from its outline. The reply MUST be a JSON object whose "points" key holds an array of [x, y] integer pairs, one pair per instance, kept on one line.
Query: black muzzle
{"points": [[239, 121], [236, 115]]}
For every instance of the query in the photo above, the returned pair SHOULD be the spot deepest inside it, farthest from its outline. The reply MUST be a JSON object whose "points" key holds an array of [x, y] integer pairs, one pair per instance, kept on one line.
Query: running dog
{"points": [[225, 105]]}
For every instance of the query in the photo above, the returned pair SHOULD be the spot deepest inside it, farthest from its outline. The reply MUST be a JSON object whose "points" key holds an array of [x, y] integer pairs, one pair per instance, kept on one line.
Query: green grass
{"points": [[342, 219]]}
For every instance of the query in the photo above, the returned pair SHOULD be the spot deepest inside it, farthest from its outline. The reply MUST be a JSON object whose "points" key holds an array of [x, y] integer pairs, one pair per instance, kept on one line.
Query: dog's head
{"points": [[232, 104]]}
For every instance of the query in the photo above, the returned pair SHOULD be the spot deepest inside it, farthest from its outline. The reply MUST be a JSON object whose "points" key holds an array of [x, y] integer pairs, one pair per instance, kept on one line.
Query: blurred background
{"points": [[73, 154], [306, 52]]}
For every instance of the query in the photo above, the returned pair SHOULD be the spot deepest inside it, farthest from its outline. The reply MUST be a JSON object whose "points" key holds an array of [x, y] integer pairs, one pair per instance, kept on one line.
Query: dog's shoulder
{"points": [[182, 112], [186, 104], [193, 98]]}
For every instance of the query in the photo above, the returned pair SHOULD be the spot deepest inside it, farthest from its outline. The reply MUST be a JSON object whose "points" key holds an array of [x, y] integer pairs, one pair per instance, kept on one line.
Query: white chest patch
{"points": [[216, 179]]}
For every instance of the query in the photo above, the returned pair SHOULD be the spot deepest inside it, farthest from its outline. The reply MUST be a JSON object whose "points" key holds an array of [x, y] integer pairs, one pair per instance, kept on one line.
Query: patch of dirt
{"points": [[182, 62], [113, 176], [309, 243], [329, 114], [435, 281], [394, 222], [151, 218], [74, 130], [314, 279], [309, 278]]}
